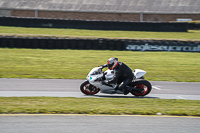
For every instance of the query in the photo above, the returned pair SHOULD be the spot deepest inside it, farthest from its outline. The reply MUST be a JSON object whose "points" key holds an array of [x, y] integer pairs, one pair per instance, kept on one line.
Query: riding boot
{"points": [[123, 87], [127, 90]]}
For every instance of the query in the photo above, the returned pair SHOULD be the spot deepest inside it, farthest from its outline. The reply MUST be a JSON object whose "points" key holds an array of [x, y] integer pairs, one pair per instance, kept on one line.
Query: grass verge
{"points": [[75, 64], [114, 106], [78, 33]]}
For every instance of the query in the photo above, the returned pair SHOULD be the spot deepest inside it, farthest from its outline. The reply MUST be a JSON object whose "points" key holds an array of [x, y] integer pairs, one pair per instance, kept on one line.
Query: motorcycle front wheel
{"points": [[88, 89], [144, 85]]}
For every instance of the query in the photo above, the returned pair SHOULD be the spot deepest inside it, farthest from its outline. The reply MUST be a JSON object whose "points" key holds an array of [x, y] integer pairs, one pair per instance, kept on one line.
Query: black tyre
{"points": [[142, 84], [88, 89]]}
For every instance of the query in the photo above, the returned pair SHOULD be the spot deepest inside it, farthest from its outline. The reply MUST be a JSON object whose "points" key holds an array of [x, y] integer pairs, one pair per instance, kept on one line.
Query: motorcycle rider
{"points": [[122, 73]]}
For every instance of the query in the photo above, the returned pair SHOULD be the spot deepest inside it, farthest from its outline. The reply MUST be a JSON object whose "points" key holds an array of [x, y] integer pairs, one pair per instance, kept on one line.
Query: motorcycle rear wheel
{"points": [[88, 89], [142, 84]]}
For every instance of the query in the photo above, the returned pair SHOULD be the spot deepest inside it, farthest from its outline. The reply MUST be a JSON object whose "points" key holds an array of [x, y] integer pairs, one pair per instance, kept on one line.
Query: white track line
{"points": [[180, 97], [154, 87]]}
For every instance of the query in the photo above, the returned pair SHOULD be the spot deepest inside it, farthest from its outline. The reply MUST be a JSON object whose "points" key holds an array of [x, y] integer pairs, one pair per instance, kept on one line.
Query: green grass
{"points": [[113, 106], [75, 64], [19, 31]]}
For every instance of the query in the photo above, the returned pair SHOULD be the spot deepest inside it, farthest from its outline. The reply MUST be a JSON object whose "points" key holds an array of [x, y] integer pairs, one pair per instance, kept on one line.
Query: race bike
{"points": [[93, 84]]}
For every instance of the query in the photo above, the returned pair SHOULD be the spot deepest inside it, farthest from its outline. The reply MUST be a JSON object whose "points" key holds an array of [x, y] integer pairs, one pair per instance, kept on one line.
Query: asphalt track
{"points": [[70, 88], [97, 124], [17, 123]]}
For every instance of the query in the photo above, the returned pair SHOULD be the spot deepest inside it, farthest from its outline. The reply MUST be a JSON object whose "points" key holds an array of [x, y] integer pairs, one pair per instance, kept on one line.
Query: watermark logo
{"points": [[147, 47]]}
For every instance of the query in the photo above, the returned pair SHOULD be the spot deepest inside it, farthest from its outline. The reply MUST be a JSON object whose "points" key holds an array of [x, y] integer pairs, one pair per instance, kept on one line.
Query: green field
{"points": [[75, 64], [112, 106], [77, 33]]}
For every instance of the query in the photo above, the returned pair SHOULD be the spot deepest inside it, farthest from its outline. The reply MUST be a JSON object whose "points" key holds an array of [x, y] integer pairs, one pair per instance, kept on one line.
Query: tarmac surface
{"points": [[97, 124], [71, 88]]}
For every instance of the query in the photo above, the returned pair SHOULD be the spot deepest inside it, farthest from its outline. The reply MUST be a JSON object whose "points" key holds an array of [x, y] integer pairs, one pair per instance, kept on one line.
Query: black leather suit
{"points": [[122, 73]]}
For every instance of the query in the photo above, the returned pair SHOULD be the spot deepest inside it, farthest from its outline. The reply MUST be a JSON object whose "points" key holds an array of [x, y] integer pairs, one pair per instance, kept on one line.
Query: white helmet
{"points": [[112, 63]]}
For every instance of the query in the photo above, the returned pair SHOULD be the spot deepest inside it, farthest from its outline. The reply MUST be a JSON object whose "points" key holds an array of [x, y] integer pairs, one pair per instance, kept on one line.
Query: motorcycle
{"points": [[93, 84]]}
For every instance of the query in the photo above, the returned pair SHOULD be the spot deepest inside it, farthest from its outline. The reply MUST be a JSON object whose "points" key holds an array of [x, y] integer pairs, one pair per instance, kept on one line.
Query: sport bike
{"points": [[139, 86]]}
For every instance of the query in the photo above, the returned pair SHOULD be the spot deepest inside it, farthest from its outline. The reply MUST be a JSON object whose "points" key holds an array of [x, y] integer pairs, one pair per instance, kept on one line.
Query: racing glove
{"points": [[105, 65]]}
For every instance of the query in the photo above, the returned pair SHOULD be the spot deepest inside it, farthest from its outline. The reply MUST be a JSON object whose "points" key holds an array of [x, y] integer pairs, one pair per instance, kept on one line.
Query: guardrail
{"points": [[99, 44]]}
